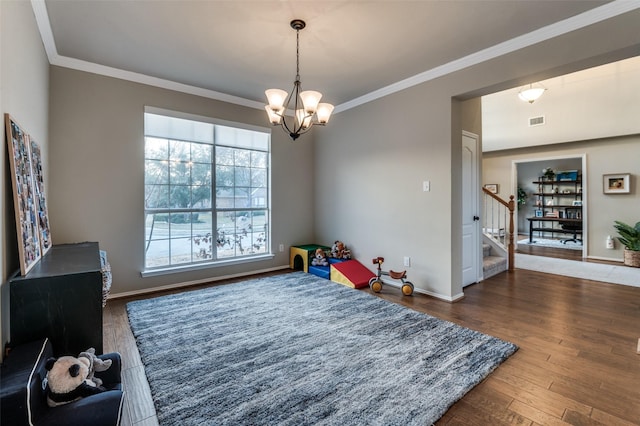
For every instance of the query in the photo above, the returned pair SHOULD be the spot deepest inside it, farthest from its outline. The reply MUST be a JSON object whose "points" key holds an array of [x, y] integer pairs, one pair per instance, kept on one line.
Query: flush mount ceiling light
{"points": [[532, 92], [306, 105]]}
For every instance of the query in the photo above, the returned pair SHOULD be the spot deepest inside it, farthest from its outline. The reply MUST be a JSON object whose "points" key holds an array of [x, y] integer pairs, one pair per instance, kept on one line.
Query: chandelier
{"points": [[306, 105], [532, 93]]}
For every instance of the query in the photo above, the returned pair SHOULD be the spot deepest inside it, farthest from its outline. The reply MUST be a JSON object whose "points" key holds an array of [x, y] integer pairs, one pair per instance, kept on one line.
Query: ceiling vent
{"points": [[536, 121]]}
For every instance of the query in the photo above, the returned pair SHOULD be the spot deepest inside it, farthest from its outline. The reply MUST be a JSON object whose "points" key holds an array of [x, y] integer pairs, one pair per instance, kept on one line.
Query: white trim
{"points": [[165, 270], [556, 29], [585, 198], [35, 365], [44, 26], [425, 292], [607, 259], [590, 17], [450, 299], [205, 265], [203, 118], [193, 283], [90, 67]]}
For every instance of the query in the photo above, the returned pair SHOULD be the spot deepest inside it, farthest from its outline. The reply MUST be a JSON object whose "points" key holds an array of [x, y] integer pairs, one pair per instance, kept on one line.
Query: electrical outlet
{"points": [[281, 248], [407, 261]]}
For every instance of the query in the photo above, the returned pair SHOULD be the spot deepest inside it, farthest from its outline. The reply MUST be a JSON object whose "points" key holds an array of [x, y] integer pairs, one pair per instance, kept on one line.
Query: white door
{"points": [[471, 254]]}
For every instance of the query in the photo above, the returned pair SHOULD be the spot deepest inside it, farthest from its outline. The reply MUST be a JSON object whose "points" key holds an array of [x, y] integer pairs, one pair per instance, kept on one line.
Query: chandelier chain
{"points": [[298, 55]]}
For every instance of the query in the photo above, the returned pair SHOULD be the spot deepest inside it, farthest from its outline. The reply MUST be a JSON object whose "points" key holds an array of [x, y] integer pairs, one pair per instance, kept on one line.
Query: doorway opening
{"points": [[551, 215]]}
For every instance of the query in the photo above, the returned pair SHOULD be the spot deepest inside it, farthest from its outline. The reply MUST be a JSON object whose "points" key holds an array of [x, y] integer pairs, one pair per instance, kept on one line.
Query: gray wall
{"points": [[371, 160], [24, 88], [604, 156], [369, 174], [360, 180], [97, 173]]}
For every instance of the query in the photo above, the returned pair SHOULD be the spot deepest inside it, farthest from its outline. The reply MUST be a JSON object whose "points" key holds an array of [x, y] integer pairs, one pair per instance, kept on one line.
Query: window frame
{"points": [[213, 209]]}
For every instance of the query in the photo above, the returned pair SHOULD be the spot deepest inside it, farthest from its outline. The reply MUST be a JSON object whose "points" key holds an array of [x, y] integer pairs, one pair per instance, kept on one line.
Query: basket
{"points": [[632, 258]]}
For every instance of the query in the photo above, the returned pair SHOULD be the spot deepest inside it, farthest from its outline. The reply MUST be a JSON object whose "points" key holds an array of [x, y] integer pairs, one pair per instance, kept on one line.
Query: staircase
{"points": [[497, 235], [492, 265]]}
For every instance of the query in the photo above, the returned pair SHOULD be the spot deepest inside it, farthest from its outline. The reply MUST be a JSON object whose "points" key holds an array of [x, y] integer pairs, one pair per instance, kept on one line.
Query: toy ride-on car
{"points": [[375, 283]]}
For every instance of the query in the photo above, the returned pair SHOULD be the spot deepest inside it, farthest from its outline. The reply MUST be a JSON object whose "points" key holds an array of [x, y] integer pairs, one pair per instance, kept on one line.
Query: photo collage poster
{"points": [[41, 200], [32, 221]]}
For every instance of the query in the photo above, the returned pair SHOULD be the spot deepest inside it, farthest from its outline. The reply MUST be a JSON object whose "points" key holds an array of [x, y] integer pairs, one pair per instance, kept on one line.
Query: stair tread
{"points": [[493, 265], [494, 259]]}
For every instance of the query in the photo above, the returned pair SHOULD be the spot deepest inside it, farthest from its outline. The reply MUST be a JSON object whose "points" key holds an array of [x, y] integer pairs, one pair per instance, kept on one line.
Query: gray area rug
{"points": [[295, 349]]}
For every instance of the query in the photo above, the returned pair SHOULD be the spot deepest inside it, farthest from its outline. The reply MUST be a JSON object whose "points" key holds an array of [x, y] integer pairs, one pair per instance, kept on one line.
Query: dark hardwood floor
{"points": [[558, 253], [577, 363], [550, 252]]}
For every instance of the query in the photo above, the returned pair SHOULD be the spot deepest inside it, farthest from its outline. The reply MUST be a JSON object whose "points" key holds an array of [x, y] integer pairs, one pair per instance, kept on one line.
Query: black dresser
{"points": [[60, 298]]}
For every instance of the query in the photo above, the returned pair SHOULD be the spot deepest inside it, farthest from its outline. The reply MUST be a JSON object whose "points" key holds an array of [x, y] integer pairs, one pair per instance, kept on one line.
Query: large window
{"points": [[206, 192]]}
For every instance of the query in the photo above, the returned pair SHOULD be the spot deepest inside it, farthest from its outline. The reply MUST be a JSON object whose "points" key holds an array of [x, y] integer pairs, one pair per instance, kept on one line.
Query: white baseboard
{"points": [[192, 283], [425, 292], [607, 259], [245, 274]]}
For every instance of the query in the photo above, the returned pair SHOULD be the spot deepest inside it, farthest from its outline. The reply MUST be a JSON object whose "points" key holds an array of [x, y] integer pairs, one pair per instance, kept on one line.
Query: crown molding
{"points": [[93, 68], [44, 26], [601, 13], [590, 17]]}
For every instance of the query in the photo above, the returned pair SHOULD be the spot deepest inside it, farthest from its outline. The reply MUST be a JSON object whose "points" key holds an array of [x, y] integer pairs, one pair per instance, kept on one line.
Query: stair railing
{"points": [[498, 223]]}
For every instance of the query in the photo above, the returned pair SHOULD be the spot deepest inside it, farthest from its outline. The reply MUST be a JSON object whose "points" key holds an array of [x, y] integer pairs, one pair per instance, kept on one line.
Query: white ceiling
{"points": [[352, 51], [599, 102]]}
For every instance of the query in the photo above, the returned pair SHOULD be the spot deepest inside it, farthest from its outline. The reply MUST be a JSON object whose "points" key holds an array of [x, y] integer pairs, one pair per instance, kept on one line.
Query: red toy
{"points": [[375, 283]]}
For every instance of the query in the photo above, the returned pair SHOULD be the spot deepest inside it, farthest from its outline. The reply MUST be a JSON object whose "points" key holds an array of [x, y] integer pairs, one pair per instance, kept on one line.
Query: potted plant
{"points": [[522, 197], [548, 173], [629, 236]]}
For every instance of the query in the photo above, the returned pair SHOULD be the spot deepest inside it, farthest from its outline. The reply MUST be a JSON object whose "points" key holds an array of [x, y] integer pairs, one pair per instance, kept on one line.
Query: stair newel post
{"points": [[512, 207]]}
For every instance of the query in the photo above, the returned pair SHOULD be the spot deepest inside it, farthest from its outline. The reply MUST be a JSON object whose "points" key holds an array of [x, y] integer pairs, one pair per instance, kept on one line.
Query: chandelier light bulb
{"points": [[276, 98], [275, 116], [303, 120], [324, 112], [310, 100]]}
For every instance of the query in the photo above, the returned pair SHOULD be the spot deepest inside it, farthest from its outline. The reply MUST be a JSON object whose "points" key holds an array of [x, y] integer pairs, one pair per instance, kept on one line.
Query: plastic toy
{"points": [[375, 283], [351, 273]]}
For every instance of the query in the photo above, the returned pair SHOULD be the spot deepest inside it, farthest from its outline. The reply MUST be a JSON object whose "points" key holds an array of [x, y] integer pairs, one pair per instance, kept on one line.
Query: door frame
{"points": [[585, 210]]}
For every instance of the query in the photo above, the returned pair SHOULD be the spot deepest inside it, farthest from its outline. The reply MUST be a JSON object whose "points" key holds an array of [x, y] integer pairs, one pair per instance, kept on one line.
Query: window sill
{"points": [[204, 265]]}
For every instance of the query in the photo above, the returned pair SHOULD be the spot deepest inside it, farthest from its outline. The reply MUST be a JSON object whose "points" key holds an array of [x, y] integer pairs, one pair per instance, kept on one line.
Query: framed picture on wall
{"points": [[616, 183]]}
